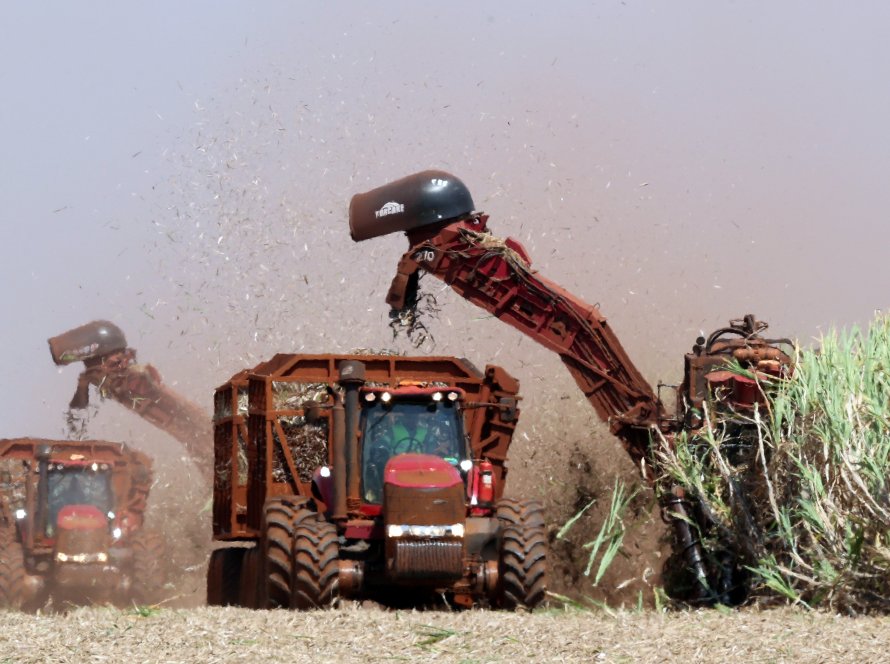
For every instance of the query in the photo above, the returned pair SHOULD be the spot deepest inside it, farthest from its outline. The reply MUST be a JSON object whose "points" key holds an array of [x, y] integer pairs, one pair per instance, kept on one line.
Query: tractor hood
{"points": [[422, 490], [421, 471], [81, 517]]}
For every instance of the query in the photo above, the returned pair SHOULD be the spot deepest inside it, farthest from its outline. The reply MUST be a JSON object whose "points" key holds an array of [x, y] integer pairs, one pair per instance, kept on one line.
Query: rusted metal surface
{"points": [[707, 375], [497, 276], [111, 367], [425, 527], [259, 422]]}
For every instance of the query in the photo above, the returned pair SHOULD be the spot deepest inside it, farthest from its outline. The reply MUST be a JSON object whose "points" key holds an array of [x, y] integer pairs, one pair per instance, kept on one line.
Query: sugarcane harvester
{"points": [[110, 366], [370, 476], [448, 239]]}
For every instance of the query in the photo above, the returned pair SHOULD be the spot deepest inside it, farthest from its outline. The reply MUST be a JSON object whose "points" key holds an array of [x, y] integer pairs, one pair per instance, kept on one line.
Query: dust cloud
{"points": [[677, 166]]}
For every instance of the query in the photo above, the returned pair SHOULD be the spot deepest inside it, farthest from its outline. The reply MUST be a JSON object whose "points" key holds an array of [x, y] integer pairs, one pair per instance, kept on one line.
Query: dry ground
{"points": [[351, 634]]}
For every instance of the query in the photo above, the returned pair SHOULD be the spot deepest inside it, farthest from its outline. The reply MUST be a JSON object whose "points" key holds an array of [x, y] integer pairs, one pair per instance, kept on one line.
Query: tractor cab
{"points": [[76, 495], [416, 421], [77, 489]]}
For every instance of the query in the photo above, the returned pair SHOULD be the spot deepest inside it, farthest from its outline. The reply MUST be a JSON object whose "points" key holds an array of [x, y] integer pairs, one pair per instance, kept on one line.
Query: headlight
{"points": [[82, 558], [427, 532], [116, 533], [20, 514]]}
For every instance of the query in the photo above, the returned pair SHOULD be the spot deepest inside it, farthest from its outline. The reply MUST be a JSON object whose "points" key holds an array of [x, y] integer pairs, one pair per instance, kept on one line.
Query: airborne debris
{"points": [[410, 318]]}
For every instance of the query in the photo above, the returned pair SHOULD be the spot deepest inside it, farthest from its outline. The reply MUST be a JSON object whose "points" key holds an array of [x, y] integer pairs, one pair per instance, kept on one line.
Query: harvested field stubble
{"points": [[359, 635]]}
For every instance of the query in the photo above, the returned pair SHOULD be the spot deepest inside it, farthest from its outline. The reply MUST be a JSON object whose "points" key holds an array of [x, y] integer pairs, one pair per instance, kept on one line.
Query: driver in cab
{"points": [[397, 432]]}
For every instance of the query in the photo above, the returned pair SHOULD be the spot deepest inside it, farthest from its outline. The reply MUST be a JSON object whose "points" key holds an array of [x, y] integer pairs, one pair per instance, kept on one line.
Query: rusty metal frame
{"points": [[238, 508]]}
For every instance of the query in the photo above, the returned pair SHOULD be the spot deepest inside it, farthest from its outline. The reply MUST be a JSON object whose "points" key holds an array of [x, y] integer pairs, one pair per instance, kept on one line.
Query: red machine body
{"points": [[725, 370], [497, 276]]}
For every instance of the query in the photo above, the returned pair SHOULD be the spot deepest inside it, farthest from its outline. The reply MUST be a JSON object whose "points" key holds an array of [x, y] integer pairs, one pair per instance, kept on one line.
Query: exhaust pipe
{"points": [[41, 516], [352, 377], [338, 456]]}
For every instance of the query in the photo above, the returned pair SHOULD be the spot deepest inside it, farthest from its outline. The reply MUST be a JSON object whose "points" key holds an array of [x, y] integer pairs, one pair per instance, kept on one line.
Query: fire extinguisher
{"points": [[486, 482]]}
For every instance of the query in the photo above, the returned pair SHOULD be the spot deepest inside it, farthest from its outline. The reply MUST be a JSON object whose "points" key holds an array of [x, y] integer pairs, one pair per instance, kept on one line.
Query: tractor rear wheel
{"points": [[149, 566], [281, 517], [316, 565], [522, 565], [12, 571], [249, 593], [224, 574]]}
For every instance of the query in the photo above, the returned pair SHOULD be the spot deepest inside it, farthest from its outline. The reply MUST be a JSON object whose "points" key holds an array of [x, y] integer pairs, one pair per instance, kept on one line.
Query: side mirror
{"points": [[508, 409]]}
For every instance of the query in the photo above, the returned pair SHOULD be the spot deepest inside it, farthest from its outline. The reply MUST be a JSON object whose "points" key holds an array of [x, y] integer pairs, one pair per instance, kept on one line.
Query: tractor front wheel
{"points": [[522, 564], [316, 565], [281, 517], [149, 574], [12, 571]]}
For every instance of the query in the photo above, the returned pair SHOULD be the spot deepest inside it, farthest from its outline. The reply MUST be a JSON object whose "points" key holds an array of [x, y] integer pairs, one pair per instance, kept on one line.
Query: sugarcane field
{"points": [[458, 333]]}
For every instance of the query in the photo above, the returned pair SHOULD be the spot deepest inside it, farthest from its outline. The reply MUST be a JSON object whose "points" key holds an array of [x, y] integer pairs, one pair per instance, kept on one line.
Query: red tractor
{"points": [[71, 524], [723, 374], [370, 476]]}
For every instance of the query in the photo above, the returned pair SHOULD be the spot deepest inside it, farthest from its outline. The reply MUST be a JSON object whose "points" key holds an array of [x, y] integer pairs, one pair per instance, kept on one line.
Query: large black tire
{"points": [[281, 517], [12, 571], [316, 566], [224, 576], [522, 563], [148, 574]]}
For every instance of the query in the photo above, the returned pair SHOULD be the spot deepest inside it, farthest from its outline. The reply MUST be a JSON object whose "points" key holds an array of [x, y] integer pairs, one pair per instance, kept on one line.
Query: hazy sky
{"points": [[184, 169]]}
